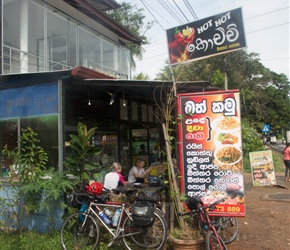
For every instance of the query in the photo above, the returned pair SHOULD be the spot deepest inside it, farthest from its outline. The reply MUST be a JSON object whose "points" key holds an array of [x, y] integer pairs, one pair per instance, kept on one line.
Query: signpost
{"points": [[262, 168], [209, 139], [206, 37]]}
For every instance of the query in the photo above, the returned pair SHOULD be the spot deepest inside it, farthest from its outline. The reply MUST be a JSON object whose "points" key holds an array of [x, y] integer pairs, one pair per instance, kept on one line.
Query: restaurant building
{"points": [[64, 62]]}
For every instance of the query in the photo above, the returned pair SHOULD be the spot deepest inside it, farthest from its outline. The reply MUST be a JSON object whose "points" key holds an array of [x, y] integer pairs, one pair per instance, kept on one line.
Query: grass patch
{"points": [[31, 240]]}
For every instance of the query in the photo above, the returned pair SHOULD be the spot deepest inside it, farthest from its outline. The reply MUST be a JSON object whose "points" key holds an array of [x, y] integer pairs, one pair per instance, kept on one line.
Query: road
{"points": [[279, 146]]}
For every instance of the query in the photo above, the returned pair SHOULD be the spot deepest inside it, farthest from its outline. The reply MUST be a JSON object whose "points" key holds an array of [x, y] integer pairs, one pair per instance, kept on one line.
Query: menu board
{"points": [[210, 149], [262, 168]]}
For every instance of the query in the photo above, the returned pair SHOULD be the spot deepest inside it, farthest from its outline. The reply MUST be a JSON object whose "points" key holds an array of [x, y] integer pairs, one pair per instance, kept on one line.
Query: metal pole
{"points": [[226, 77]]}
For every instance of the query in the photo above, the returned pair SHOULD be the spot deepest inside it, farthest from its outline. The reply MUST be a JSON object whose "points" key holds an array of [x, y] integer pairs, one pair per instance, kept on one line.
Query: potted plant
{"points": [[186, 238]]}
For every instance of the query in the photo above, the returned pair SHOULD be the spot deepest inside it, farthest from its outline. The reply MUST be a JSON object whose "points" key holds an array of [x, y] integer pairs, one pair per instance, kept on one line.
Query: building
{"points": [[64, 62]]}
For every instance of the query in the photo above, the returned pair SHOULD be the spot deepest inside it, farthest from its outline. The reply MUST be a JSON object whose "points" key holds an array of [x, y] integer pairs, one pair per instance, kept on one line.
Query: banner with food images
{"points": [[262, 168], [210, 149], [206, 37]]}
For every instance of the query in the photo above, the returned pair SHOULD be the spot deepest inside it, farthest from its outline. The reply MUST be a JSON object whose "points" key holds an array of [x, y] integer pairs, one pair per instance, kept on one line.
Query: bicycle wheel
{"points": [[228, 229], [211, 242], [153, 237], [79, 231]]}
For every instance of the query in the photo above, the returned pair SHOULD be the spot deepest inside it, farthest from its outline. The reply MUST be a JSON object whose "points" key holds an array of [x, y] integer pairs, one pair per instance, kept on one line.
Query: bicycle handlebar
{"points": [[211, 207]]}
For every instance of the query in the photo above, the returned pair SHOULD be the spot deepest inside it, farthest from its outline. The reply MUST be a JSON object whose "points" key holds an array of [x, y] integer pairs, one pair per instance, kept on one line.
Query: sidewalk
{"points": [[266, 225]]}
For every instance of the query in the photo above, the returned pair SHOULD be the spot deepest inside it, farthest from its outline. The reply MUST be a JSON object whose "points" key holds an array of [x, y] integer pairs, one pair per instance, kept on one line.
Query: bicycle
{"points": [[199, 213], [227, 228], [81, 230]]}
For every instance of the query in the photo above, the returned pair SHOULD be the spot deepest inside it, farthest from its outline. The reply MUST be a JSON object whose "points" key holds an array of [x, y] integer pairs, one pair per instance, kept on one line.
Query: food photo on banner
{"points": [[262, 168], [210, 146], [206, 37]]}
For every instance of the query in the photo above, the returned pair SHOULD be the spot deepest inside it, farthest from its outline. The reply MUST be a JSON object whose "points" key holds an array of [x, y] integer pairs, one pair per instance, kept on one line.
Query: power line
{"points": [[270, 12], [268, 28], [189, 7], [180, 11], [170, 11], [181, 14], [153, 15]]}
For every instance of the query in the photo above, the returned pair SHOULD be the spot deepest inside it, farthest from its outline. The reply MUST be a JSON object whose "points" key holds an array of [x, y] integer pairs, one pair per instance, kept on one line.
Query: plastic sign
{"points": [[266, 128], [210, 149], [210, 36], [262, 166]]}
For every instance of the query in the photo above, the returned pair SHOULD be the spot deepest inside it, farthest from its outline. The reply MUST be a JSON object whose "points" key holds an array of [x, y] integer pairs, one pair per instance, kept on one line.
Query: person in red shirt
{"points": [[286, 153]]}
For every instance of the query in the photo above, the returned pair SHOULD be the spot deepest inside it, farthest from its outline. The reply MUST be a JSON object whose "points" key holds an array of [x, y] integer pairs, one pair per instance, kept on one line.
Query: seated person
{"points": [[114, 178], [138, 171]]}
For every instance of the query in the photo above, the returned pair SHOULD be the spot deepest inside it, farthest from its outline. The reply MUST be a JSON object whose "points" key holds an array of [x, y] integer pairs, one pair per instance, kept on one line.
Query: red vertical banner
{"points": [[210, 149]]}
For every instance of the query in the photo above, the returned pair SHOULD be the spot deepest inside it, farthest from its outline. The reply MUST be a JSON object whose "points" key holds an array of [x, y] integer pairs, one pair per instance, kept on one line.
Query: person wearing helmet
{"points": [[114, 178]]}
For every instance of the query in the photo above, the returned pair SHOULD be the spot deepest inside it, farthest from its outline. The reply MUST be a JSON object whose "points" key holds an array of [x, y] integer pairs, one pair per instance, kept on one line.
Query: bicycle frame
{"points": [[205, 220], [115, 232]]}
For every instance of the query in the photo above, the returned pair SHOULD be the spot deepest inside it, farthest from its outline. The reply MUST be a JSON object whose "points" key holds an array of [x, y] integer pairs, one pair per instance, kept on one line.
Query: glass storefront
{"points": [[45, 126], [37, 37]]}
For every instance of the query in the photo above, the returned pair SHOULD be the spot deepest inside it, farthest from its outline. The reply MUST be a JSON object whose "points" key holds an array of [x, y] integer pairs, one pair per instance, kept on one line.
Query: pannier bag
{"points": [[143, 214], [193, 203], [148, 196], [76, 201]]}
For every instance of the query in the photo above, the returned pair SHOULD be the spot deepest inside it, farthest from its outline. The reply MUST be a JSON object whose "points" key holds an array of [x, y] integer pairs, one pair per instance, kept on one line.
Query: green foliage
{"points": [[31, 188], [264, 94], [251, 143], [132, 18], [141, 76], [29, 159], [77, 162], [51, 188]]}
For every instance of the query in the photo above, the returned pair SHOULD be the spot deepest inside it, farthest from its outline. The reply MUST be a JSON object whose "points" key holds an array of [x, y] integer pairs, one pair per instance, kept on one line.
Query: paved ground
{"points": [[266, 225]]}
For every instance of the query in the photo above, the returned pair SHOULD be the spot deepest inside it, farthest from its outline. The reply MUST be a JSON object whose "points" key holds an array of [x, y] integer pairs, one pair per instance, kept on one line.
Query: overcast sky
{"points": [[266, 25]]}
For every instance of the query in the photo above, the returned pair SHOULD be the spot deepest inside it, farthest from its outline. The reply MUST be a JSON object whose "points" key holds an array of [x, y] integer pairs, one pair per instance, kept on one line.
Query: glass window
{"points": [[47, 129], [11, 29], [123, 109], [125, 63], [35, 33], [90, 50], [57, 41], [150, 114], [8, 136], [110, 57], [144, 112], [45, 126], [134, 111], [23, 28]]}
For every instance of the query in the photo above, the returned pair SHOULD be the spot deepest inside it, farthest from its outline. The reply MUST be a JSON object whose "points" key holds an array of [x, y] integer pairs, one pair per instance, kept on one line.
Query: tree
{"points": [[132, 18], [264, 94], [141, 76]]}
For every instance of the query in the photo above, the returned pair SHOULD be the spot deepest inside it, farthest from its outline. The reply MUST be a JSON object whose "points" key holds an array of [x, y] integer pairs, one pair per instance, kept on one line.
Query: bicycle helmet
{"points": [[193, 203], [95, 188]]}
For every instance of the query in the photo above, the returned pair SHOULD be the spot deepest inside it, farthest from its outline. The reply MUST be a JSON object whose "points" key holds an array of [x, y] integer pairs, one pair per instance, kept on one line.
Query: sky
{"points": [[266, 24]]}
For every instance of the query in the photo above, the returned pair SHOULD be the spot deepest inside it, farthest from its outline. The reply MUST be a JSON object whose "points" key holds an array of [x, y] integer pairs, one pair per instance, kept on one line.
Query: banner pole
{"points": [[173, 80]]}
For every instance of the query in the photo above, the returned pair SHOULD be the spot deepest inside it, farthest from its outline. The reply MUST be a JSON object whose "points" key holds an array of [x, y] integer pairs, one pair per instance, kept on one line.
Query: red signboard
{"points": [[210, 36], [210, 149]]}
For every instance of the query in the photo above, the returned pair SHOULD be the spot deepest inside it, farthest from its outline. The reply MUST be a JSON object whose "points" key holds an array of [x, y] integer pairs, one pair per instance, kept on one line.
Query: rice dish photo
{"points": [[226, 138], [228, 123], [228, 155]]}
